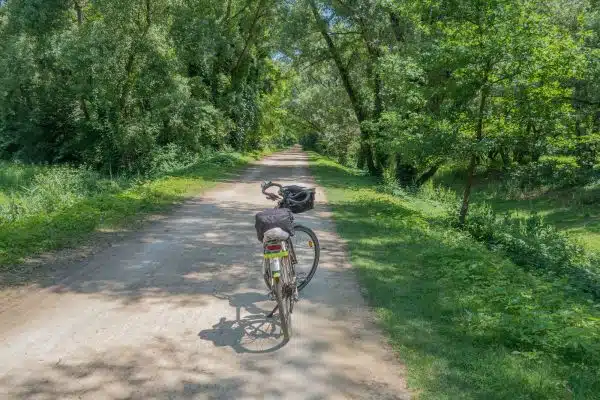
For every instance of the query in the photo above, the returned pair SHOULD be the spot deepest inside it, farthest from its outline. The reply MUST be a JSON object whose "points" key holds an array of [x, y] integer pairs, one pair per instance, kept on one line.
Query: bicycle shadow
{"points": [[254, 333]]}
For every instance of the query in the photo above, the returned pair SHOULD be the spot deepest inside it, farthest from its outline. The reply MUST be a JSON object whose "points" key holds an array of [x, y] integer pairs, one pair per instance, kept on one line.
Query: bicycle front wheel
{"points": [[305, 253]]}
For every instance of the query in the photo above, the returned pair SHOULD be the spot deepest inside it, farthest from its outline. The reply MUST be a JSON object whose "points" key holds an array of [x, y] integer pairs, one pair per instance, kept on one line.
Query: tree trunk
{"points": [[84, 108], [381, 157], [427, 175], [214, 82], [396, 28], [249, 39], [228, 10], [464, 209], [129, 66], [335, 55], [128, 80], [382, 161], [82, 103], [359, 112], [78, 11], [366, 157], [360, 161], [505, 159], [405, 173]]}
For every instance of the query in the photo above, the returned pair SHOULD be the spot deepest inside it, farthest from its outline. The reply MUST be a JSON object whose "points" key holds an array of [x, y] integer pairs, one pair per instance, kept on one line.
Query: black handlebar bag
{"points": [[274, 218], [300, 201]]}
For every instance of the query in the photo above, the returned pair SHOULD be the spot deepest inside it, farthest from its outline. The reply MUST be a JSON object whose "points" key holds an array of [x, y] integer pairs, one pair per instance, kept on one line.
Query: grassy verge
{"points": [[468, 323], [50, 223]]}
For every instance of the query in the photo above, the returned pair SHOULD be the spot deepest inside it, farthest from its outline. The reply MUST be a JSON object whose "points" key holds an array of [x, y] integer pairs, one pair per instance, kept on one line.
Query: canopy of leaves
{"points": [[106, 82]]}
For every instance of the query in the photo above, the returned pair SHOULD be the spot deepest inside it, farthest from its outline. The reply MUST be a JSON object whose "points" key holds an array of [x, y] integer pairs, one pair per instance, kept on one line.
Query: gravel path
{"points": [[177, 311]]}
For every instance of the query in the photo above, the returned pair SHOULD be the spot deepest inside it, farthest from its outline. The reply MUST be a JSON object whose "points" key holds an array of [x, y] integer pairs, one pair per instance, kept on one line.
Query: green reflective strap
{"points": [[277, 255]]}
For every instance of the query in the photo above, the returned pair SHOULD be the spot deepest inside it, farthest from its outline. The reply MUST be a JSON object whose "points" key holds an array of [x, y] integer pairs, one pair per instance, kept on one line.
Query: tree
{"points": [[109, 82]]}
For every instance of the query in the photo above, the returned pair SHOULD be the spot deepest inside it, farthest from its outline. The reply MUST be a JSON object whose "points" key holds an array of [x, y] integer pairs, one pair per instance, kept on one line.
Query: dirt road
{"points": [[178, 312]]}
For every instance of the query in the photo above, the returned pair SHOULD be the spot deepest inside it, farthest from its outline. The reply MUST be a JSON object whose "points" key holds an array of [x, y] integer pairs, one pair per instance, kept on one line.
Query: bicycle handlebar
{"points": [[268, 184]]}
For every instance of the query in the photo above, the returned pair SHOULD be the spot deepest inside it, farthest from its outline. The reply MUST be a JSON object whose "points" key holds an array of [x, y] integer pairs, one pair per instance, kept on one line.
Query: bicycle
{"points": [[277, 231]]}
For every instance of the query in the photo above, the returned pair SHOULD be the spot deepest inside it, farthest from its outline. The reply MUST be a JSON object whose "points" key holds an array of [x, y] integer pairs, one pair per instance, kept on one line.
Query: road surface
{"points": [[177, 311]]}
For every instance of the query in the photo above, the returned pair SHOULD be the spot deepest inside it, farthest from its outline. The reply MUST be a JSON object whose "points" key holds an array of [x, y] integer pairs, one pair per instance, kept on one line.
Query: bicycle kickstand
{"points": [[273, 312]]}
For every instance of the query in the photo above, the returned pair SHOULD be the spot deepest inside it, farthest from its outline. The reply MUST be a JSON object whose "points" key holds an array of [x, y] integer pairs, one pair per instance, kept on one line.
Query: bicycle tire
{"points": [[301, 285], [283, 309]]}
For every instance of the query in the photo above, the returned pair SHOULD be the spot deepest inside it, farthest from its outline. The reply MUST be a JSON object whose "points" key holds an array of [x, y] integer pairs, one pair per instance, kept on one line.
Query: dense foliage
{"points": [[45, 208], [477, 84], [111, 83]]}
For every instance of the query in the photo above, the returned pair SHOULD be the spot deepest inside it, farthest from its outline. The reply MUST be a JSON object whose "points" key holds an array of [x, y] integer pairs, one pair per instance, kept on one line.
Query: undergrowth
{"points": [[46, 208], [468, 321], [526, 239], [574, 210]]}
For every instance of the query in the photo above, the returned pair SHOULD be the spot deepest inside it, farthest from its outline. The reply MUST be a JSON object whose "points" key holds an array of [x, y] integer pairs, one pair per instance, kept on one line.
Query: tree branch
{"points": [[313, 63], [582, 101], [342, 69], [257, 16], [78, 11], [307, 122], [229, 17], [346, 6], [345, 33]]}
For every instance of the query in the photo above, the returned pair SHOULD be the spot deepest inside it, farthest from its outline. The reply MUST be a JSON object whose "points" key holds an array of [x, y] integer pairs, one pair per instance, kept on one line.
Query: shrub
{"points": [[552, 171], [438, 193], [51, 189], [13, 176], [535, 245], [389, 183], [169, 158], [44, 190]]}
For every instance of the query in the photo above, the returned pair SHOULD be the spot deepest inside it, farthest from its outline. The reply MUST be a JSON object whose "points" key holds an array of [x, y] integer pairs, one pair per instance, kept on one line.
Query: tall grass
{"points": [[14, 176], [35, 190], [49, 207]]}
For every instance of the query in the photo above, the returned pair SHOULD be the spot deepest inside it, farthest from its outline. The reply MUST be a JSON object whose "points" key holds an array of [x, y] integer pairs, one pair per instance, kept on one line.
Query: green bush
{"points": [[310, 141], [551, 171], [13, 176], [169, 158], [51, 189], [48, 189], [438, 193], [60, 205], [390, 185], [535, 245]]}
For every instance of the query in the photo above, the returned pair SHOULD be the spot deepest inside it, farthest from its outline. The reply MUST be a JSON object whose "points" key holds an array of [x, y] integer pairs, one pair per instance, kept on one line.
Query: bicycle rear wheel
{"points": [[282, 304], [305, 253], [285, 293]]}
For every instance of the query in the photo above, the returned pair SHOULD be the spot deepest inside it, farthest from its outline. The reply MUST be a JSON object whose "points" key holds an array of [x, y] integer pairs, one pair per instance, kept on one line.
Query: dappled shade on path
{"points": [[179, 311]]}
